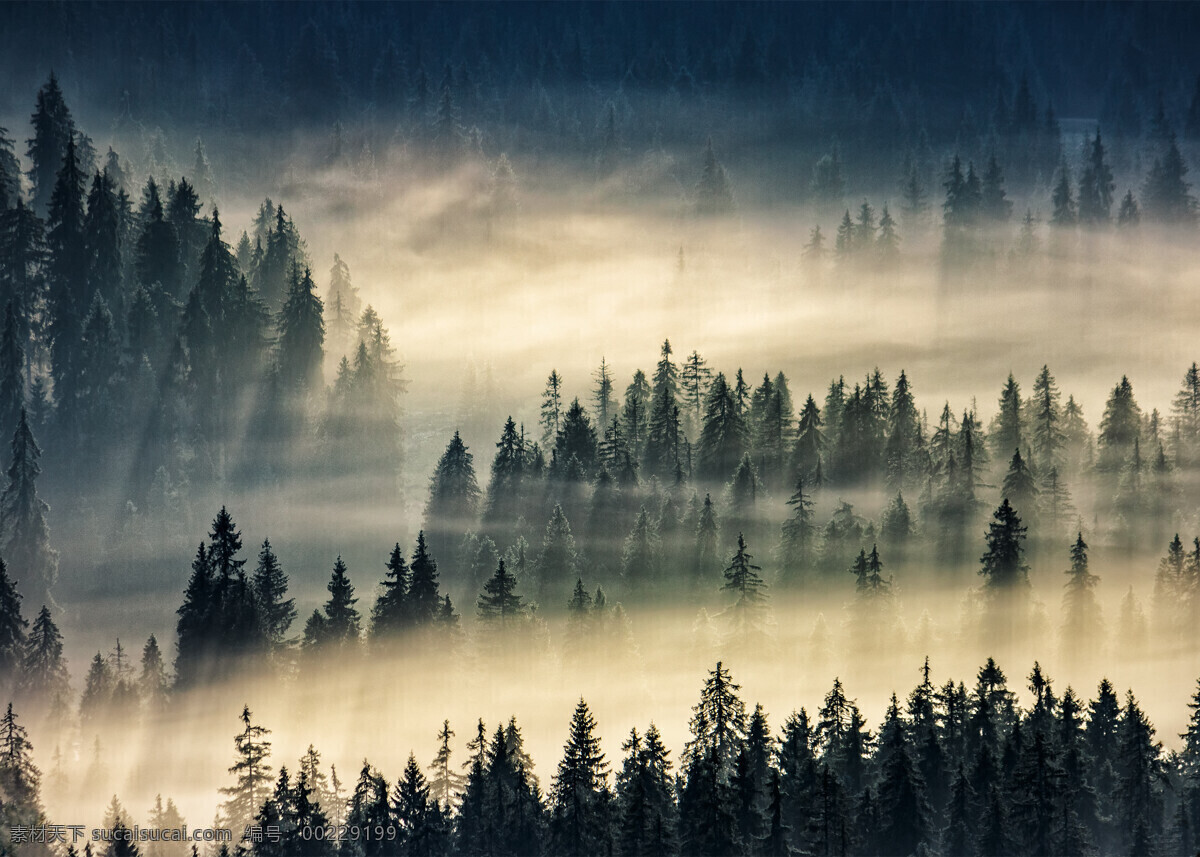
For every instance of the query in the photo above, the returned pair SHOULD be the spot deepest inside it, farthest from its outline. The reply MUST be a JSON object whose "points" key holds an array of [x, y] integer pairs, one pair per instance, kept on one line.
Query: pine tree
{"points": [[1096, 185], [602, 395], [746, 586], [1166, 196], [499, 604], [507, 478], [1138, 764], [1129, 215], [640, 557], [422, 595], [1120, 427], [390, 613], [53, 132], [1063, 199], [1003, 565], [797, 548], [453, 496], [552, 408], [43, 670], [153, 685], [12, 370], [887, 244], [24, 536], [579, 799], [994, 202], [723, 438], [270, 585], [718, 724], [445, 784], [557, 560], [1019, 488], [903, 805], [10, 173], [1081, 623], [252, 772], [67, 273], [576, 439], [634, 413], [301, 335], [342, 622]]}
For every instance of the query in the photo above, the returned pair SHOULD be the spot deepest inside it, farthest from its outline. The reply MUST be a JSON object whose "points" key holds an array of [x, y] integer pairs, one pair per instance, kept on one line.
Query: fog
{"points": [[582, 271]]}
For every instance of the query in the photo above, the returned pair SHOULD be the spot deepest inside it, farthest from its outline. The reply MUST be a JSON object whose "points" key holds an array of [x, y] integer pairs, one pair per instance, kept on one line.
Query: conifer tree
{"points": [[24, 536], [718, 724], [904, 809], [53, 132], [422, 595], [270, 585], [251, 770], [1096, 185], [153, 685], [640, 558], [557, 560], [602, 395], [1064, 214], [342, 622], [1120, 427], [12, 370], [1020, 489], [1129, 215], [445, 784], [746, 586], [1003, 565], [645, 805], [10, 173], [887, 244], [43, 675], [1081, 612], [723, 436], [390, 612], [499, 604], [580, 799], [663, 429], [694, 381], [301, 335], [1166, 196], [67, 273], [504, 493], [994, 202], [552, 409], [796, 550], [453, 496]]}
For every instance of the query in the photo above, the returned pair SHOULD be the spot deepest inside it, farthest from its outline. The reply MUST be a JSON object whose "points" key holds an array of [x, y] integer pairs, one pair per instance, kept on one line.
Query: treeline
{"points": [[878, 79], [653, 492], [164, 358], [949, 770]]}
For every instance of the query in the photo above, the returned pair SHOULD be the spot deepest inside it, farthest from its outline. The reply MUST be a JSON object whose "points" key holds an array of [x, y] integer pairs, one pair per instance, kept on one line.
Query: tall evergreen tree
{"points": [[53, 132], [43, 673], [270, 585], [453, 496], [746, 586], [1096, 185], [301, 335], [24, 535], [251, 770], [580, 799], [390, 613], [423, 588]]}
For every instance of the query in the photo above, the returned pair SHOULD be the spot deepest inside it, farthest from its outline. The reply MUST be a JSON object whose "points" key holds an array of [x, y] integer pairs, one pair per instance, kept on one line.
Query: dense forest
{"points": [[380, 367]]}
